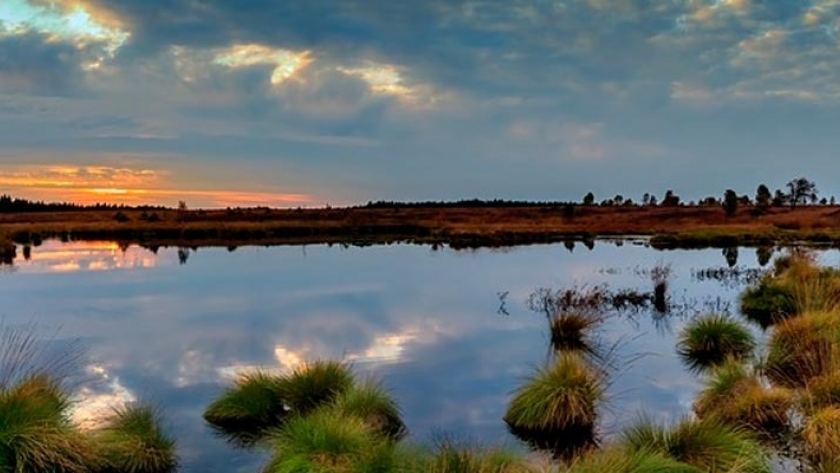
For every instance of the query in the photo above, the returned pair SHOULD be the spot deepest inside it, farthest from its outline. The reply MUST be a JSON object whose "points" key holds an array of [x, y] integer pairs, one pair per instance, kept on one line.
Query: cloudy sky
{"points": [[265, 102]]}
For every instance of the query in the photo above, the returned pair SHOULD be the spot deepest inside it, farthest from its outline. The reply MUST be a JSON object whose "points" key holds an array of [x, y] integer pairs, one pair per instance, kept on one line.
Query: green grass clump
{"points": [[556, 409], [133, 441], [373, 404], [622, 460], [710, 340], [802, 348], [315, 384], [328, 441], [737, 397], [767, 303], [244, 413], [451, 456], [35, 431], [707, 444]]}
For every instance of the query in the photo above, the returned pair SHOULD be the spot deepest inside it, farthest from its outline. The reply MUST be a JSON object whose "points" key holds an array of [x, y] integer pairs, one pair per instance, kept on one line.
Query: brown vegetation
{"points": [[683, 226]]}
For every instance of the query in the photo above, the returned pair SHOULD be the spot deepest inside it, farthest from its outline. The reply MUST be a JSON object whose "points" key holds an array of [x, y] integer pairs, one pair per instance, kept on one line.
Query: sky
{"points": [[305, 103]]}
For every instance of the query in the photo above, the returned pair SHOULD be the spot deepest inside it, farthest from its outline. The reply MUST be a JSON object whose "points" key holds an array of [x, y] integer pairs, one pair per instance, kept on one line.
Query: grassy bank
{"points": [[458, 227]]}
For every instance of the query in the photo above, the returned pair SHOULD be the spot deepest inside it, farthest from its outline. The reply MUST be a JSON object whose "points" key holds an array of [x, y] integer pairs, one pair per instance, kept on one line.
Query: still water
{"points": [[449, 332]]}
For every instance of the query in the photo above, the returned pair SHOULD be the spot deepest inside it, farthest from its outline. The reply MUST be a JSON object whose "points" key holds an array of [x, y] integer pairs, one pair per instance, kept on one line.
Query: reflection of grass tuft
{"points": [[708, 341], [133, 441]]}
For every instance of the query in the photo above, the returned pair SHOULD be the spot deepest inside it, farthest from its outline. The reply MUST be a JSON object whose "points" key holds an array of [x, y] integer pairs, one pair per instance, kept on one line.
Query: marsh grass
{"points": [[803, 348], [326, 440], [315, 384], [245, 412], [133, 441], [710, 340], [35, 432], [371, 402], [623, 460], [821, 433], [708, 445], [450, 455], [556, 409], [736, 396], [767, 303]]}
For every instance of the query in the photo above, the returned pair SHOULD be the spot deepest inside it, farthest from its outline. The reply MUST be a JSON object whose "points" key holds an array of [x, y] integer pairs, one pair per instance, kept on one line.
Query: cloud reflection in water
{"points": [[425, 321]]}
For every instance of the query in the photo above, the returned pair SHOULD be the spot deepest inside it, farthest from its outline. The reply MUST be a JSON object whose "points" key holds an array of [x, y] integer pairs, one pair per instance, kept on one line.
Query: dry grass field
{"points": [[683, 226]]}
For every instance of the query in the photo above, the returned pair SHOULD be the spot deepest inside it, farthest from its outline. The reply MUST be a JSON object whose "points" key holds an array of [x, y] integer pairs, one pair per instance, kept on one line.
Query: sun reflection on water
{"points": [[58, 257]]}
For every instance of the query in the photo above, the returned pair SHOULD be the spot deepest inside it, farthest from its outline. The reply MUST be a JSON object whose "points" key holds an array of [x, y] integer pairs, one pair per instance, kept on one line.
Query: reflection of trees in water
{"points": [[183, 255]]}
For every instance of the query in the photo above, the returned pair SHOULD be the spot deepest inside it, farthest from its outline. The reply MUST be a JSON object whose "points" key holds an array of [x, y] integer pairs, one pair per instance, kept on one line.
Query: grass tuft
{"points": [[556, 409], [708, 444], [315, 384], [710, 340], [802, 348], [373, 404], [737, 397], [245, 413], [328, 441], [767, 303], [621, 460], [133, 441], [35, 432]]}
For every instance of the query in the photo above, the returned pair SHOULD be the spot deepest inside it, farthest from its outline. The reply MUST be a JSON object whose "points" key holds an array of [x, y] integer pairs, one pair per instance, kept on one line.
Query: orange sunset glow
{"points": [[130, 186]]}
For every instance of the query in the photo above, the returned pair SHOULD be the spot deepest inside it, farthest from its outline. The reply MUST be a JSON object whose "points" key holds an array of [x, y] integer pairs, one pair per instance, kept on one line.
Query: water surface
{"points": [[427, 322]]}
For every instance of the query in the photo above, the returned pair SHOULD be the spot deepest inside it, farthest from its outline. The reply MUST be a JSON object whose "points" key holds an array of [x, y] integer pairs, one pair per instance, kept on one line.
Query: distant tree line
{"points": [[9, 204], [471, 203]]}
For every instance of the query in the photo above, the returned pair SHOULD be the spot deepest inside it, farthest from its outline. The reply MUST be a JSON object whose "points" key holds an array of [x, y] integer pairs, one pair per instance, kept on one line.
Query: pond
{"points": [[449, 332]]}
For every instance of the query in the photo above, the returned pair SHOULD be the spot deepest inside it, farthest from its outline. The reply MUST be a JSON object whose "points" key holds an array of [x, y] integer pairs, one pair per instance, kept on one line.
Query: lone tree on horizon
{"points": [[730, 202], [802, 191]]}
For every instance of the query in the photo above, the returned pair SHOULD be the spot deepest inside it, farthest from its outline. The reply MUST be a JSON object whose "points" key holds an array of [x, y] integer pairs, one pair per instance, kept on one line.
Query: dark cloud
{"points": [[32, 63]]}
